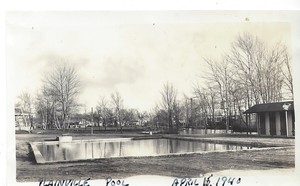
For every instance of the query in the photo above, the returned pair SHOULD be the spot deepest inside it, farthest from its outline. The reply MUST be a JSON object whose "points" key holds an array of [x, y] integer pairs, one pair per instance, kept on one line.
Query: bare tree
{"points": [[203, 105], [141, 116], [212, 101], [117, 102], [250, 73], [42, 107], [128, 115], [220, 75], [169, 98], [186, 110], [159, 117], [63, 85], [287, 71], [25, 102], [258, 69], [178, 111], [103, 112]]}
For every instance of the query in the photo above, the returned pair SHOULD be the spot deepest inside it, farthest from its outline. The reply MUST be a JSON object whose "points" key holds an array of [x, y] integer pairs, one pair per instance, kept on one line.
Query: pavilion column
{"points": [[258, 124], [267, 123], [290, 124], [277, 122]]}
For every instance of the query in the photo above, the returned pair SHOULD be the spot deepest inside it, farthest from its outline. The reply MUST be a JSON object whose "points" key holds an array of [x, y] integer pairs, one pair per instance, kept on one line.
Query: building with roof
{"points": [[275, 119], [23, 120]]}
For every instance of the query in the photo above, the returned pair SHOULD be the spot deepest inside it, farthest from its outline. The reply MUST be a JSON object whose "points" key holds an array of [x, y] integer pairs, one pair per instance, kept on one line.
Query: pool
{"points": [[82, 150]]}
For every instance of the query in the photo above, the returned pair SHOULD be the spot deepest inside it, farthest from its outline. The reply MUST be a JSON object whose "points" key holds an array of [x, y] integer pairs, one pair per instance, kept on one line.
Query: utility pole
{"points": [[191, 119], [187, 114], [92, 121]]}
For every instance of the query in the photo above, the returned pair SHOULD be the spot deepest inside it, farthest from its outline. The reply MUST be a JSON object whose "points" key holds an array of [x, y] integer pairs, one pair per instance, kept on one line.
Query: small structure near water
{"points": [[64, 138], [275, 119]]}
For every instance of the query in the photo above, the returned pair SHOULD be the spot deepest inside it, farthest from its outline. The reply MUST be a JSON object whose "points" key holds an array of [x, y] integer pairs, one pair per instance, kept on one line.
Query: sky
{"points": [[132, 52]]}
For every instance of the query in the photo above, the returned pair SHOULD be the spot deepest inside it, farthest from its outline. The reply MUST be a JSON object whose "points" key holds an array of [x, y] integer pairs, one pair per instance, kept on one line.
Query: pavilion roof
{"points": [[271, 107]]}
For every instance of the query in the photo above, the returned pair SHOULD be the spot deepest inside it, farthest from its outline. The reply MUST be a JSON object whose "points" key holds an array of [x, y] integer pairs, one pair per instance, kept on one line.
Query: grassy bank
{"points": [[190, 165]]}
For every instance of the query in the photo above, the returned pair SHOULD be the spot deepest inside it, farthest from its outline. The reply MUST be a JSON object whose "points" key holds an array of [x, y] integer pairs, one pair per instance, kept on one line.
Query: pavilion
{"points": [[275, 119]]}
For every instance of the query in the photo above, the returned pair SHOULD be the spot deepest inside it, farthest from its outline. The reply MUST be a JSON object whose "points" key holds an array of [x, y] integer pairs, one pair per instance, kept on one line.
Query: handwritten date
{"points": [[207, 181]]}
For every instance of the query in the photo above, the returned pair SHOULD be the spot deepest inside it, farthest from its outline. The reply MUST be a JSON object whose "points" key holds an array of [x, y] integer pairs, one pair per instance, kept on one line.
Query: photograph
{"points": [[181, 98]]}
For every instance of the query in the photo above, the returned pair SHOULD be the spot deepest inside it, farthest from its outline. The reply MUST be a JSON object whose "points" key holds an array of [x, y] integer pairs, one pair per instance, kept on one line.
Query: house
{"points": [[23, 120], [275, 119]]}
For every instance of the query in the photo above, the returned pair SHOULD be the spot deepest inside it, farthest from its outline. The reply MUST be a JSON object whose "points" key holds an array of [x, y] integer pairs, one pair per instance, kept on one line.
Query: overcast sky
{"points": [[134, 53]]}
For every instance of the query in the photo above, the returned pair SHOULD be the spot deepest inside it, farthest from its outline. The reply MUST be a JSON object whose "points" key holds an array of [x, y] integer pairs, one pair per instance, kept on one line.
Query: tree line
{"points": [[249, 73]]}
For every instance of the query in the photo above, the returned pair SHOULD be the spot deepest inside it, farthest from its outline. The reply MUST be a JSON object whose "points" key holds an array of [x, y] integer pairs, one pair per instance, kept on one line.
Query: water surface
{"points": [[81, 150]]}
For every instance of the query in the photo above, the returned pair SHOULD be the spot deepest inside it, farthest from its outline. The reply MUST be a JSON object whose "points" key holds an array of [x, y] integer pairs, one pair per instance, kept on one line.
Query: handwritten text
{"points": [[207, 181], [70, 182], [111, 182]]}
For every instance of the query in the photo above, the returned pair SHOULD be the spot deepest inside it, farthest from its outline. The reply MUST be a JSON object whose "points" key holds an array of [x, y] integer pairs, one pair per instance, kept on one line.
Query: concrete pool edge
{"points": [[230, 142], [163, 155], [40, 159], [37, 154], [83, 140]]}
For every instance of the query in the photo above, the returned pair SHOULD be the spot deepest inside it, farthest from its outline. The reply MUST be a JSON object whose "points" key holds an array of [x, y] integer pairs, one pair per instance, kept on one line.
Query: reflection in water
{"points": [[202, 131], [106, 149], [208, 131]]}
